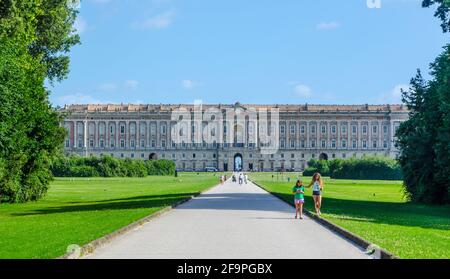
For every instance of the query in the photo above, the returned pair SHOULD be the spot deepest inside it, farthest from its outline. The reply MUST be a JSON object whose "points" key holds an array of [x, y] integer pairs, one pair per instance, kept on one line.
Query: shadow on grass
{"points": [[402, 214], [147, 201]]}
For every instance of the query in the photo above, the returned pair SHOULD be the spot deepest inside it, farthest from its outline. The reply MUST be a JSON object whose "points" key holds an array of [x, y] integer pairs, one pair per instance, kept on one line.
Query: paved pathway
{"points": [[230, 221]]}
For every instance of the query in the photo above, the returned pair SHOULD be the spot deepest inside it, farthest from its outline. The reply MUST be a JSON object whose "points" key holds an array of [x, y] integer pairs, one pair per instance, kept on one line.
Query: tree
{"points": [[424, 140], [35, 36], [442, 12]]}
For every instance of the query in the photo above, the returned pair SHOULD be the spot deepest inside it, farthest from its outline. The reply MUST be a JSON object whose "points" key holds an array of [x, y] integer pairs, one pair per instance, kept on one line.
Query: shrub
{"points": [[365, 168], [106, 166]]}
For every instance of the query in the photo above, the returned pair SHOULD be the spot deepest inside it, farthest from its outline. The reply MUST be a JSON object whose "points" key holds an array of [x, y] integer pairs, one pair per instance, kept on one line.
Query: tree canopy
{"points": [[35, 37], [442, 12]]}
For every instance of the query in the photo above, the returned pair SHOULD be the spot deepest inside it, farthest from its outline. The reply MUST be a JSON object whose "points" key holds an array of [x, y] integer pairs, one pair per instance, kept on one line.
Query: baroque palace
{"points": [[233, 137]]}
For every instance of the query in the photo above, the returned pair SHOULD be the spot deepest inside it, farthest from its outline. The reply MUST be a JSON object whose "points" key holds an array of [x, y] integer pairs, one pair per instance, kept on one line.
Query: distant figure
{"points": [[222, 179], [299, 198], [240, 179], [233, 178], [245, 178], [317, 184]]}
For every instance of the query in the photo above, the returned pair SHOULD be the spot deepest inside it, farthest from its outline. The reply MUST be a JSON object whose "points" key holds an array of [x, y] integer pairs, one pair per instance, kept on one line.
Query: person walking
{"points": [[317, 184], [245, 178], [299, 198]]}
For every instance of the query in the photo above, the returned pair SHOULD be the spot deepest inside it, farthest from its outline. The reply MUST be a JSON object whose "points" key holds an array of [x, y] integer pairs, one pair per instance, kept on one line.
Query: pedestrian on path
{"points": [[245, 178], [222, 179], [299, 198], [317, 184], [240, 179]]}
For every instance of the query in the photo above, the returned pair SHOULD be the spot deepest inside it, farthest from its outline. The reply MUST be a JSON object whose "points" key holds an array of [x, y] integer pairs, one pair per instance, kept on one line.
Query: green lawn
{"points": [[77, 211], [376, 211]]}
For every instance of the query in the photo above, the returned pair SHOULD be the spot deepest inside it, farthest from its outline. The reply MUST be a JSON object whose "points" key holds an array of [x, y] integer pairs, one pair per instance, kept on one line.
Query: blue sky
{"points": [[253, 51]]}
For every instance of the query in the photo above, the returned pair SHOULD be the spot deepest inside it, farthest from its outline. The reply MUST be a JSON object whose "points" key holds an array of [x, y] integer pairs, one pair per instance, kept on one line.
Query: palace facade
{"points": [[303, 132]]}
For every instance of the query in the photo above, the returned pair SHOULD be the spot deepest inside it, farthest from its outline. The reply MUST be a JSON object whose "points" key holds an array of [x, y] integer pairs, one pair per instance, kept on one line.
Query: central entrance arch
{"points": [[238, 163]]}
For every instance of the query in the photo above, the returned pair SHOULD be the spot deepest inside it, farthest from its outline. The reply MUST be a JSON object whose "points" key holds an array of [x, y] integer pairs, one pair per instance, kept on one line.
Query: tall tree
{"points": [[35, 37]]}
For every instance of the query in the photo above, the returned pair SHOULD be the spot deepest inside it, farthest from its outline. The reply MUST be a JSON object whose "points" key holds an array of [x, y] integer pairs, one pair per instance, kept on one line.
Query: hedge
{"points": [[366, 168], [107, 166]]}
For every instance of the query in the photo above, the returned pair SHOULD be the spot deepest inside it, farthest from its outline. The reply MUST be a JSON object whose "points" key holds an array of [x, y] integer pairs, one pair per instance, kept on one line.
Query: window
{"points": [[333, 129], [374, 144], [282, 143], [324, 144], [344, 143], [302, 129], [292, 143], [364, 129], [132, 143], [121, 155], [142, 155], [375, 129], [91, 143], [354, 129], [282, 129], [133, 128], [142, 128], [333, 143], [132, 155], [344, 155], [163, 143], [173, 156], [292, 155], [354, 144], [153, 129], [385, 144], [163, 129], [313, 129], [142, 143], [324, 129], [364, 144], [111, 129], [302, 144], [385, 129], [122, 129], [153, 143], [344, 129], [122, 143], [292, 128], [313, 143], [102, 129], [67, 143], [112, 143], [193, 155]]}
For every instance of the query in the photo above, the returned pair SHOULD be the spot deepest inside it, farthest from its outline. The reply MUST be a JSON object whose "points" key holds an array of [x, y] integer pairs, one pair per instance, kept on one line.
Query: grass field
{"points": [[77, 211], [376, 211]]}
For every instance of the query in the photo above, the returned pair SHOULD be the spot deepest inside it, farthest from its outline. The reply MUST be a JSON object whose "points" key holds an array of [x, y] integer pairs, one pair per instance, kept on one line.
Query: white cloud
{"points": [[328, 25], [131, 84], [108, 87], [158, 21], [394, 96], [188, 84], [77, 98], [303, 91], [80, 25]]}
